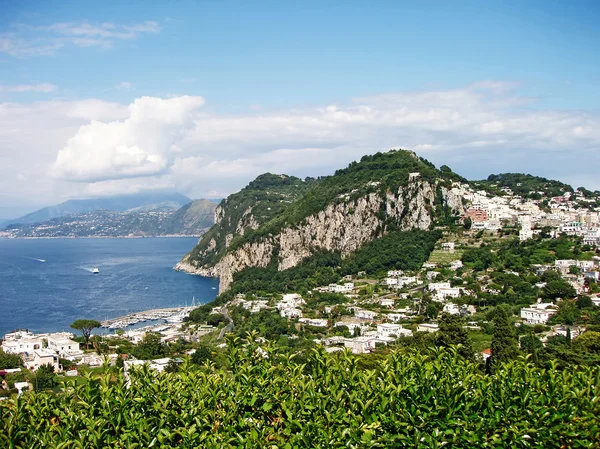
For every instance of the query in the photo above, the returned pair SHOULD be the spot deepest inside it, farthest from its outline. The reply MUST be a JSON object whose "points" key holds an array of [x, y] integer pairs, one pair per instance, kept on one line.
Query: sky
{"points": [[107, 98]]}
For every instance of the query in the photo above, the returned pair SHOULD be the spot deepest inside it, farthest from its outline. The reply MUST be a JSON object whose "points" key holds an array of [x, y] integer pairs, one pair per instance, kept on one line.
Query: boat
{"points": [[95, 270]]}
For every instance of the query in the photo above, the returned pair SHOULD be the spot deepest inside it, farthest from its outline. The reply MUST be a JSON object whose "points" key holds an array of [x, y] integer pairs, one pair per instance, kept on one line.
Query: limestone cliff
{"points": [[348, 220]]}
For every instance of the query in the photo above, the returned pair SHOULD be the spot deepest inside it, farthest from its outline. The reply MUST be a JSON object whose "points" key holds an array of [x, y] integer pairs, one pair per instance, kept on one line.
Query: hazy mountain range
{"points": [[148, 214]]}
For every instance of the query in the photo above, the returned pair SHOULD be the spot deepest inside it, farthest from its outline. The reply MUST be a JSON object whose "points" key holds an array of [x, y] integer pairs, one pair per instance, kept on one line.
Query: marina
{"points": [[171, 315]]}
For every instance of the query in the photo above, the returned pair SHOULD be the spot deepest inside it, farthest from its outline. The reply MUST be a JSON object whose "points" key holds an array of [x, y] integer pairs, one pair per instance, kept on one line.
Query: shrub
{"points": [[403, 400]]}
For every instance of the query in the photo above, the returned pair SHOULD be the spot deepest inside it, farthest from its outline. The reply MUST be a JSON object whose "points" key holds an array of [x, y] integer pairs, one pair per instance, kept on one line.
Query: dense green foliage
{"points": [[395, 251], [527, 186], [453, 333], [505, 346], [278, 201], [263, 199], [405, 400], [8, 361]]}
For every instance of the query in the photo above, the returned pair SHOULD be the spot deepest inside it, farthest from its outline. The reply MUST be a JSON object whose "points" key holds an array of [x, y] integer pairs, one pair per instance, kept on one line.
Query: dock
{"points": [[172, 313]]}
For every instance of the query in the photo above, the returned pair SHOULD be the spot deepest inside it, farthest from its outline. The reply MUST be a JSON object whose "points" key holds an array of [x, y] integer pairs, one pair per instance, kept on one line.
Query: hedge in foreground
{"points": [[411, 400]]}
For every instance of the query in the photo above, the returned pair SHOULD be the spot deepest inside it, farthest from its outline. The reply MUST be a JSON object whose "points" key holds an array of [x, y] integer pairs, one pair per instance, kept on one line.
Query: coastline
{"points": [[171, 236]]}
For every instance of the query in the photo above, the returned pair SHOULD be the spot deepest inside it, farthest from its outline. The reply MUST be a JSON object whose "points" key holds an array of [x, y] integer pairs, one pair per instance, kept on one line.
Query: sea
{"points": [[46, 284]]}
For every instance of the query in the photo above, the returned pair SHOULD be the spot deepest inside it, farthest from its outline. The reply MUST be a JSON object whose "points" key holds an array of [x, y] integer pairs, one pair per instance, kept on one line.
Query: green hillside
{"points": [[277, 201], [527, 186], [259, 202]]}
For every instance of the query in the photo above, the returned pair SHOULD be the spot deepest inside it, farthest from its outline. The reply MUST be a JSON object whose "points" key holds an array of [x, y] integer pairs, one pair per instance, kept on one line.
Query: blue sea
{"points": [[46, 284]]}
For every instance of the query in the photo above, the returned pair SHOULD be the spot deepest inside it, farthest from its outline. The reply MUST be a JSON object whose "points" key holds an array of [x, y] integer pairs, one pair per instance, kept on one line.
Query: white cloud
{"points": [[141, 145], [124, 85], [18, 88], [26, 41], [95, 147]]}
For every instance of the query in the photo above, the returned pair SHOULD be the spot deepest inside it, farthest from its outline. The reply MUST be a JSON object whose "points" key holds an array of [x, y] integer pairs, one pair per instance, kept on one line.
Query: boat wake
{"points": [[33, 258], [91, 270]]}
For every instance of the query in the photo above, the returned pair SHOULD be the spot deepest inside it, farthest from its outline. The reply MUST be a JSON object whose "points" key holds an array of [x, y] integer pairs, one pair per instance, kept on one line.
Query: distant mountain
{"points": [[193, 218], [122, 203]]}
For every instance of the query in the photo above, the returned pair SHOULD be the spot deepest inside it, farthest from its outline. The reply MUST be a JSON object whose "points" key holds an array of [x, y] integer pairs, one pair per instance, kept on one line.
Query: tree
{"points": [[8, 361], [467, 223], [85, 326], [431, 311], [43, 378], [584, 302], [150, 347], [558, 288], [452, 333], [201, 355], [505, 345], [567, 313], [588, 342]]}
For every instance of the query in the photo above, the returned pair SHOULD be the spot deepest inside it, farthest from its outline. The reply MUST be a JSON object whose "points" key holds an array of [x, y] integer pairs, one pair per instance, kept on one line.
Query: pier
{"points": [[175, 314]]}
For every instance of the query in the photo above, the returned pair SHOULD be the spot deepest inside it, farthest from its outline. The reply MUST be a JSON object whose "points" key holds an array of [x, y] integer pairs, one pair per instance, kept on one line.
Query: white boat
{"points": [[95, 270]]}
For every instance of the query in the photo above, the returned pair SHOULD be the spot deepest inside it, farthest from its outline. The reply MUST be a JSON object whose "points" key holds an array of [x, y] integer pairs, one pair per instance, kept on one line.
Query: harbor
{"points": [[171, 315]]}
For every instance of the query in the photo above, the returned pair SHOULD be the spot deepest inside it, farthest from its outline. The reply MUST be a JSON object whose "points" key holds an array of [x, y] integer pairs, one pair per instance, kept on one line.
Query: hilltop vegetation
{"points": [[272, 203], [256, 204], [526, 186]]}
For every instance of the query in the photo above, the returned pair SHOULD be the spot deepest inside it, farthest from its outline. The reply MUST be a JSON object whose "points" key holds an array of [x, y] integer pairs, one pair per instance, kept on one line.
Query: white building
{"points": [[428, 327], [365, 314], [438, 285], [448, 246], [395, 317], [291, 313], [21, 342], [360, 345], [538, 313], [452, 309], [386, 302], [395, 273], [592, 237], [345, 288], [317, 322], [456, 264], [33, 360], [391, 330], [63, 344], [442, 294]]}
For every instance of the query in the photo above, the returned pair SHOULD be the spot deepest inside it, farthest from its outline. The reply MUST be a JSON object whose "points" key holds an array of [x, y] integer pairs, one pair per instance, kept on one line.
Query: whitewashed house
{"points": [[365, 314], [448, 246], [63, 344], [391, 330], [291, 313], [317, 322], [428, 327], [538, 313], [33, 360]]}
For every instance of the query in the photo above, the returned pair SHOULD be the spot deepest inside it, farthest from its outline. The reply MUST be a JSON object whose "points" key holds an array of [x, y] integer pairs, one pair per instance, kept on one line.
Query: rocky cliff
{"points": [[405, 200]]}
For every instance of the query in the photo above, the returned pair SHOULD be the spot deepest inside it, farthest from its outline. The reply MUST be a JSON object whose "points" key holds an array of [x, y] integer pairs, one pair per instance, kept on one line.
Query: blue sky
{"points": [[276, 66]]}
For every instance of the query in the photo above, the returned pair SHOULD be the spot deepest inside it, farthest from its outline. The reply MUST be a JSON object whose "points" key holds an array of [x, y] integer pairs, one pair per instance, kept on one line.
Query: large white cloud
{"points": [[144, 144], [95, 147]]}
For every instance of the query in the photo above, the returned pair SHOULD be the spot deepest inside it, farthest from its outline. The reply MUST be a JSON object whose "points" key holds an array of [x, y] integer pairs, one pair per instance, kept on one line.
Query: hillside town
{"points": [[365, 314]]}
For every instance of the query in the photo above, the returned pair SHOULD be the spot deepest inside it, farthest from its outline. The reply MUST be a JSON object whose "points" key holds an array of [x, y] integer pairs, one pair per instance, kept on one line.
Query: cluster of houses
{"points": [[568, 213], [368, 339], [41, 349]]}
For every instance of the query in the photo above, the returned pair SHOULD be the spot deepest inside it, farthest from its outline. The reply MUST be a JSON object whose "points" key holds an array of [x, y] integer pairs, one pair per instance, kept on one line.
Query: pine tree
{"points": [[505, 345], [452, 333]]}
